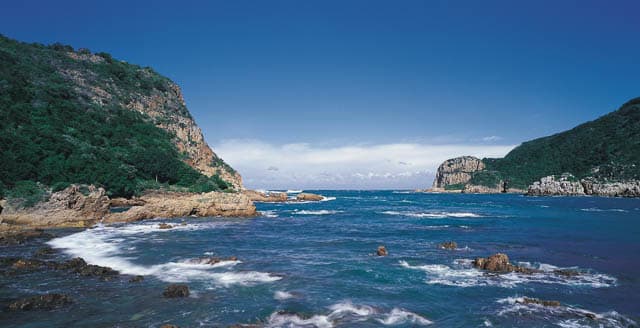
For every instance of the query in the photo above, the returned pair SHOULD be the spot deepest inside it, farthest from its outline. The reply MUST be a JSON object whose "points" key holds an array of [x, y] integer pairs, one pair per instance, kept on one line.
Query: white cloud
{"points": [[383, 166], [491, 138]]}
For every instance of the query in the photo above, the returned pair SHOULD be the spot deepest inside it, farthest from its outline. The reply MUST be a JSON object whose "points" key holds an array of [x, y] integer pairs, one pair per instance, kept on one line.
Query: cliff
{"points": [[73, 116], [600, 158]]}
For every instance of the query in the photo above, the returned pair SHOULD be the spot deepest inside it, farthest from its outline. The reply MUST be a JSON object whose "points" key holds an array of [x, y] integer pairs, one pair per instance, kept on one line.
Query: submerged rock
{"points": [[500, 263], [213, 260], [23, 236], [44, 251], [78, 265], [449, 245], [382, 251], [137, 279], [40, 302], [309, 197], [176, 290], [527, 300], [165, 226], [27, 264]]}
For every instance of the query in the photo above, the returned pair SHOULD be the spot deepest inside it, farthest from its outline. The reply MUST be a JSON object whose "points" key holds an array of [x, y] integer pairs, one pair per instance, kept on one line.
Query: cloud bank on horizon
{"points": [[362, 166]]}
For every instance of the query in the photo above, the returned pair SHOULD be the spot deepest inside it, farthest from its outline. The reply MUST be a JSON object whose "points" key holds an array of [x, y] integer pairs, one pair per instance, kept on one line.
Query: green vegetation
{"points": [[457, 186], [52, 135], [486, 178], [607, 148]]}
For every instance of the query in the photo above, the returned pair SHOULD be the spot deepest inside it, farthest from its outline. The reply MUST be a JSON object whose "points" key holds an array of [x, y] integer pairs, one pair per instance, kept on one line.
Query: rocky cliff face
{"points": [[568, 185], [457, 171], [161, 101]]}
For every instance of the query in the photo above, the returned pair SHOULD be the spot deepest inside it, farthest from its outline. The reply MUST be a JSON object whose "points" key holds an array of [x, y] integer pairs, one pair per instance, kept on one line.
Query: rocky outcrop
{"points": [[568, 185], [40, 302], [161, 101], [263, 196], [457, 171], [176, 204], [499, 263], [382, 251], [476, 189], [451, 245], [75, 206], [176, 290], [83, 206], [527, 300], [308, 197]]}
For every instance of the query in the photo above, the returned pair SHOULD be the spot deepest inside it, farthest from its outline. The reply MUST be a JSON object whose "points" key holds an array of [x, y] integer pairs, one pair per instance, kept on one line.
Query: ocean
{"points": [[314, 265]]}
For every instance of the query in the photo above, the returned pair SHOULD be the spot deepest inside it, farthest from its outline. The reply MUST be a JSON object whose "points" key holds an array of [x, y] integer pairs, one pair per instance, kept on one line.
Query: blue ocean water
{"points": [[313, 265]]}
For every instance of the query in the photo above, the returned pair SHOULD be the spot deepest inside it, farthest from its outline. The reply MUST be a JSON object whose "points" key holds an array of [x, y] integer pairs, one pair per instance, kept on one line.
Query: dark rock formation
{"points": [[448, 245], [382, 251], [500, 263], [44, 252], [527, 300], [176, 290], [137, 279], [23, 236], [41, 302], [79, 266], [165, 226]]}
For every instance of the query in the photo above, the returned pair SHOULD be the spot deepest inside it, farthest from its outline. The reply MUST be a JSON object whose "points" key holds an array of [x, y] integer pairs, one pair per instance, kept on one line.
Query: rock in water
{"points": [[500, 263], [165, 226], [382, 251], [527, 300], [176, 290], [45, 251], [449, 245], [309, 197], [27, 264], [137, 279], [41, 302]]}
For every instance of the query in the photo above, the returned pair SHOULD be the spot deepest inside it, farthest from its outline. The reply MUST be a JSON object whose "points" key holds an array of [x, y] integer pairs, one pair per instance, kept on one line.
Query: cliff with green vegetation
{"points": [[604, 153], [71, 116]]}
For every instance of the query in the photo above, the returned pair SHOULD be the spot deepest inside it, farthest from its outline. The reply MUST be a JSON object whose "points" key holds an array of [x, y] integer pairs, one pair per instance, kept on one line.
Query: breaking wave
{"points": [[345, 314], [462, 274], [103, 246], [317, 212], [434, 215]]}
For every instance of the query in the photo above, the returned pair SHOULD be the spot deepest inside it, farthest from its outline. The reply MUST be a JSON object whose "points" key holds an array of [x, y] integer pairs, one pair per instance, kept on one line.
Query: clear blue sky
{"points": [[333, 73]]}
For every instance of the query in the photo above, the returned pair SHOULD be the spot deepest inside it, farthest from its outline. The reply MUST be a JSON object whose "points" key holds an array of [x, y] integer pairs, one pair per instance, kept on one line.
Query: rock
{"points": [[165, 226], [123, 202], [457, 171], [169, 326], [629, 188], [137, 279], [565, 185], [309, 197], [213, 260], [527, 300], [176, 290], [75, 206], [27, 264], [272, 196], [500, 263], [79, 266], [41, 302], [449, 245], [477, 189], [591, 316], [44, 252], [181, 204], [382, 251], [23, 236], [566, 272]]}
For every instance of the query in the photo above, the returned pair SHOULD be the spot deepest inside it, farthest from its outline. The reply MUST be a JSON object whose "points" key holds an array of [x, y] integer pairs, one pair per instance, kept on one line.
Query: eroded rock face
{"points": [[41, 302], [163, 103], [629, 188], [566, 185], [75, 206], [174, 204], [457, 171]]}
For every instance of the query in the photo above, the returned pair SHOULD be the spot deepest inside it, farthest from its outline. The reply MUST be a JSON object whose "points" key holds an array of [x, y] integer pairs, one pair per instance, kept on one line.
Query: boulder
{"points": [[382, 251], [500, 263], [449, 245], [309, 197], [176, 290], [40, 302], [263, 196], [165, 226]]}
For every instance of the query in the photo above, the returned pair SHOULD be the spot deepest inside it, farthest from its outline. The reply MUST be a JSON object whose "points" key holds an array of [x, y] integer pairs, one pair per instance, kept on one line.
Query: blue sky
{"points": [[391, 81]]}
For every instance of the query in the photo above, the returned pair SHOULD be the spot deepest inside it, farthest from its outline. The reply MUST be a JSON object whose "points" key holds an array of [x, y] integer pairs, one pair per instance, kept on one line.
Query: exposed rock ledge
{"points": [[280, 197], [456, 171], [568, 185], [82, 206]]}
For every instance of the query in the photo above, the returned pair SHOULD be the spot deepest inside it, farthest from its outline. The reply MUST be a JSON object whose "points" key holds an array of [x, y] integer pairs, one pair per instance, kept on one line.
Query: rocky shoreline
{"points": [[83, 206]]}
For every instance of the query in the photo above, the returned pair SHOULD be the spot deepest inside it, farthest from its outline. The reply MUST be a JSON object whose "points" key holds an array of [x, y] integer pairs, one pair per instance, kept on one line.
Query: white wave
{"points": [[399, 317], [326, 199], [434, 215], [103, 246], [282, 295], [346, 313], [269, 214], [318, 212], [294, 191], [569, 316], [594, 209], [462, 274]]}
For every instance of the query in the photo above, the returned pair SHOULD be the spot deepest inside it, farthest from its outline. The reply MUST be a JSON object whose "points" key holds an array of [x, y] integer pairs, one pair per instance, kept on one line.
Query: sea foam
{"points": [[433, 215]]}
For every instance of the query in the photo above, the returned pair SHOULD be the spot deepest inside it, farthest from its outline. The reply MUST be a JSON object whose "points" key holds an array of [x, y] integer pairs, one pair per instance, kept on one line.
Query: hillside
{"points": [[605, 150], [71, 116]]}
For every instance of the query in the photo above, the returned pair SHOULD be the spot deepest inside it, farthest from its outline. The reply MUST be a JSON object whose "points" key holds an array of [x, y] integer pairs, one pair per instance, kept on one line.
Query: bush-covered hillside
{"points": [[52, 135], [607, 148]]}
